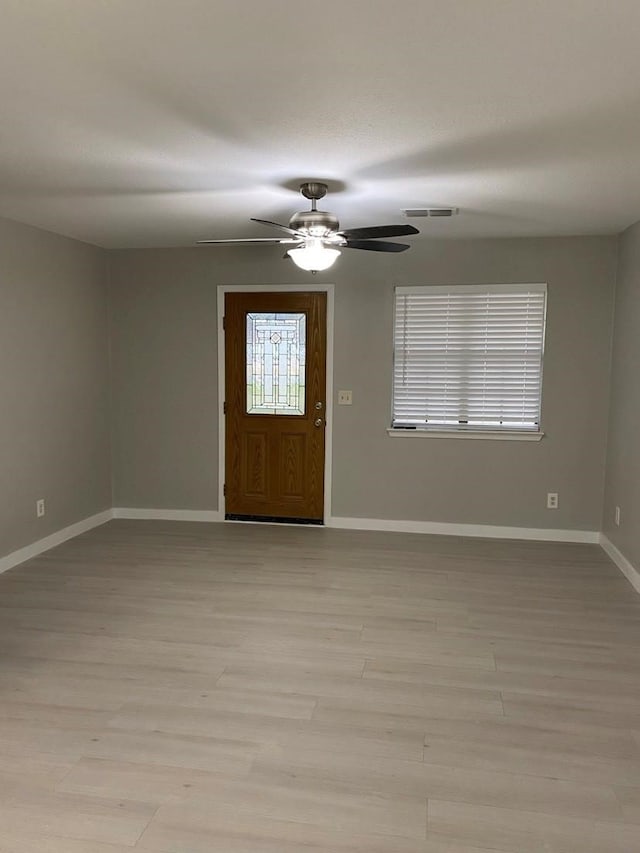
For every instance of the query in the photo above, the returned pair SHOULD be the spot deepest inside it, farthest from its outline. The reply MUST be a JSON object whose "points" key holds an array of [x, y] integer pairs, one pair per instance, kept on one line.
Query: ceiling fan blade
{"points": [[378, 231], [271, 240], [375, 246], [275, 225]]}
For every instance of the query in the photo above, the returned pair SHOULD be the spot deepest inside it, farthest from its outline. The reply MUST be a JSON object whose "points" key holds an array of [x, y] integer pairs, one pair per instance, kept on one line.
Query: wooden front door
{"points": [[275, 386]]}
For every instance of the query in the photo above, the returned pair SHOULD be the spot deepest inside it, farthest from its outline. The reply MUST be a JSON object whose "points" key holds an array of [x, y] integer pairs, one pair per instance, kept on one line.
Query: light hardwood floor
{"points": [[195, 688]]}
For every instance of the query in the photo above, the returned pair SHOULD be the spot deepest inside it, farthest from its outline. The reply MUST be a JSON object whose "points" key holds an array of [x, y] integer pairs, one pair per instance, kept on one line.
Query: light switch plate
{"points": [[345, 398]]}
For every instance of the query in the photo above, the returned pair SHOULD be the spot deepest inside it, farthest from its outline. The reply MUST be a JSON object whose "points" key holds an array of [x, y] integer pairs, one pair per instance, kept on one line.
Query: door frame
{"points": [[329, 289]]}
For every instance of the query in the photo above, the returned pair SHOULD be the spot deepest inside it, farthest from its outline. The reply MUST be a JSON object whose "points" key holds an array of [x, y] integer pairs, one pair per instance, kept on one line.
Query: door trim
{"points": [[329, 289]]}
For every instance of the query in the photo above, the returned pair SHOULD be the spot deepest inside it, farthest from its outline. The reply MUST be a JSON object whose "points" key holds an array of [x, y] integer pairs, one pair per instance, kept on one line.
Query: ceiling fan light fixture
{"points": [[313, 256]]}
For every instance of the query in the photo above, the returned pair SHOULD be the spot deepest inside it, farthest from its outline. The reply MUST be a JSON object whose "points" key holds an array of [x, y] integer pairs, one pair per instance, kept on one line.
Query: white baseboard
{"points": [[483, 531], [627, 568], [394, 526], [57, 538], [167, 514]]}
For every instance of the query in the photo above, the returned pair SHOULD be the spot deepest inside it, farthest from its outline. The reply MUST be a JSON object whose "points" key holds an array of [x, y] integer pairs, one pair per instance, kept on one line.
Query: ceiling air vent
{"points": [[432, 211]]}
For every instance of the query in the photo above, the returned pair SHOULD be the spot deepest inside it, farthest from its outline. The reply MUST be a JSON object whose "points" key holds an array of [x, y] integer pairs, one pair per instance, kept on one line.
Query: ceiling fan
{"points": [[316, 238]]}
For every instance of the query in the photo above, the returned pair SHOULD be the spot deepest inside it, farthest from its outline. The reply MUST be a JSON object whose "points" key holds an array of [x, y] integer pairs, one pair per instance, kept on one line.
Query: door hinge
{"points": [[224, 490], [224, 321], [224, 408]]}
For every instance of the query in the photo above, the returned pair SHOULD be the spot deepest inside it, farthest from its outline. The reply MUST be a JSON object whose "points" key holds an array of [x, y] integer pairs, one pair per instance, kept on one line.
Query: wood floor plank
{"points": [[210, 754], [267, 835], [592, 692], [113, 821], [264, 731], [524, 831], [30, 842], [556, 764], [334, 771], [557, 729], [436, 699], [355, 813], [153, 784], [569, 713], [629, 799]]}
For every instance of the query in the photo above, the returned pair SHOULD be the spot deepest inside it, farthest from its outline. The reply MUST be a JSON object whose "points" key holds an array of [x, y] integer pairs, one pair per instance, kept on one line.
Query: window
{"points": [[468, 358]]}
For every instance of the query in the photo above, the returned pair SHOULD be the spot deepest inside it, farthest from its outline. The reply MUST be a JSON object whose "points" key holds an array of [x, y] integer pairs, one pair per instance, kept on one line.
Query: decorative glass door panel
{"points": [[276, 362]]}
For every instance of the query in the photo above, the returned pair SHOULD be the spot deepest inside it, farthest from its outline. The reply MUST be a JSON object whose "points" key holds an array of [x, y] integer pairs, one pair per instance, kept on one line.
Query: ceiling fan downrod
{"points": [[314, 222]]}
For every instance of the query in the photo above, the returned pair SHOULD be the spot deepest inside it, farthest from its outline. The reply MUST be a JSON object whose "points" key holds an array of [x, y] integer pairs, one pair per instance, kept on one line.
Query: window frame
{"points": [[460, 430]]}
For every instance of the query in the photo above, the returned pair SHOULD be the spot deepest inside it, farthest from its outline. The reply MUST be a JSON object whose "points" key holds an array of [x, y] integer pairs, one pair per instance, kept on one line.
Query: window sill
{"points": [[494, 435]]}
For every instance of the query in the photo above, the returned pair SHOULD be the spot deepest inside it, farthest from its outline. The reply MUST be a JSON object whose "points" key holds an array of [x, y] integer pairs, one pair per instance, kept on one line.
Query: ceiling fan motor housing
{"points": [[315, 223]]}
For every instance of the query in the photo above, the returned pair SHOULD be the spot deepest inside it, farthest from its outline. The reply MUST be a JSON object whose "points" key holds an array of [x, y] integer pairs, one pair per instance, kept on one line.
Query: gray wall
{"points": [[54, 391], [623, 457], [163, 305]]}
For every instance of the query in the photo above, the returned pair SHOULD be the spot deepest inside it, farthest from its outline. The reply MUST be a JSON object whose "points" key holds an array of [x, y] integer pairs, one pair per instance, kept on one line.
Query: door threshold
{"points": [[271, 519]]}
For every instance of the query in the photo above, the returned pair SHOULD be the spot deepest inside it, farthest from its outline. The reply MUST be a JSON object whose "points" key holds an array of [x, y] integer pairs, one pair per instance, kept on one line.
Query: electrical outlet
{"points": [[617, 516], [345, 398], [552, 500], [40, 510]]}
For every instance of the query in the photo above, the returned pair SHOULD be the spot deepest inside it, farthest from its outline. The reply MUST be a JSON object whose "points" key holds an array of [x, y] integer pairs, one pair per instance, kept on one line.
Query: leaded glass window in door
{"points": [[276, 349]]}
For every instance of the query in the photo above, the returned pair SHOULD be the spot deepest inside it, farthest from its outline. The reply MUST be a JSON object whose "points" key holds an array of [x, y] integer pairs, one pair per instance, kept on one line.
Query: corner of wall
{"points": [[611, 344], [108, 280]]}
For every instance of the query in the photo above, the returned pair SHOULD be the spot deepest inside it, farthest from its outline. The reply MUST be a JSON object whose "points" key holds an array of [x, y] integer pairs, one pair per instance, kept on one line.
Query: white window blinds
{"points": [[468, 357]]}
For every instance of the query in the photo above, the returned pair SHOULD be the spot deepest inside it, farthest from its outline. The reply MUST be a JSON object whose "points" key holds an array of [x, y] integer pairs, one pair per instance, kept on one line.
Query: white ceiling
{"points": [[161, 122]]}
